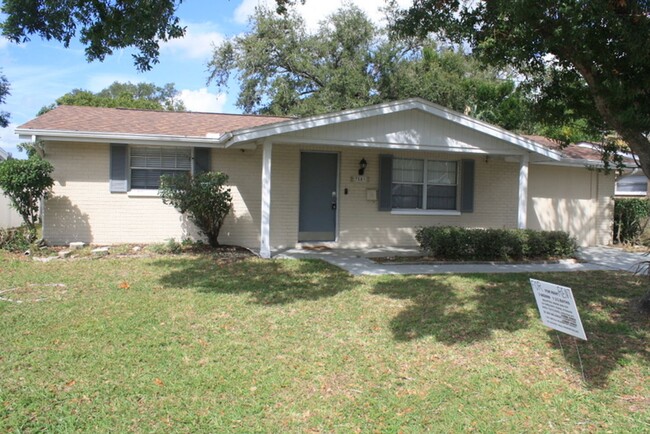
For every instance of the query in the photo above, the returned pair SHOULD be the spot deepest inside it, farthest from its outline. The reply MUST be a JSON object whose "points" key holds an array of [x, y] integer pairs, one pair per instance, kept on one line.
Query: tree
{"points": [[102, 25], [4, 93], [592, 56], [25, 182], [144, 96], [204, 198], [349, 62]]}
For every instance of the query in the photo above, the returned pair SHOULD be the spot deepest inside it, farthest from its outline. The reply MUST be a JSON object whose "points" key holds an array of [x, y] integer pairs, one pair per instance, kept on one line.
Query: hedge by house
{"points": [[454, 243]]}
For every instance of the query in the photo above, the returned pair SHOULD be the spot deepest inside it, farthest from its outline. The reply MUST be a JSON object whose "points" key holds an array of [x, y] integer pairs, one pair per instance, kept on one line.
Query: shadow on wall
{"points": [[190, 230], [575, 216], [65, 223]]}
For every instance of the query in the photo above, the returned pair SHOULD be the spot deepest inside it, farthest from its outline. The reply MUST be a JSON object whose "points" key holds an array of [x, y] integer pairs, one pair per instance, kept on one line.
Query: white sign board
{"points": [[558, 308]]}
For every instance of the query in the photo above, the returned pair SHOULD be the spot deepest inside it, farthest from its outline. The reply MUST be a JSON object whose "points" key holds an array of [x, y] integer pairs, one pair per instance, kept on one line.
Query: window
{"points": [[634, 184], [411, 189], [149, 163]]}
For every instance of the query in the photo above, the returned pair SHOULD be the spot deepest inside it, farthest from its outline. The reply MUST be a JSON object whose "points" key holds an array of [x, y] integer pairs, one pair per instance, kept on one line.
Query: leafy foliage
{"points": [[4, 93], [25, 182], [450, 242], [586, 61], [144, 96], [630, 219], [204, 198], [101, 25], [349, 62]]}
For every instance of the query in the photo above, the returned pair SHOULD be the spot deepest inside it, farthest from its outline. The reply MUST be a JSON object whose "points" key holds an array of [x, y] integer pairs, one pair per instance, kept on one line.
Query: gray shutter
{"points": [[385, 182], [467, 186], [202, 162], [119, 173]]}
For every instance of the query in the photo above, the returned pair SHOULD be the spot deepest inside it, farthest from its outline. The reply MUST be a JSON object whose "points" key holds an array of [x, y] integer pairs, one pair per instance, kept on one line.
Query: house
{"points": [[9, 217], [356, 178]]}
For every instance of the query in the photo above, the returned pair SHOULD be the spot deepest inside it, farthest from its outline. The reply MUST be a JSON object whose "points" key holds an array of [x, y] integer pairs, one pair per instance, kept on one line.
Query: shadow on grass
{"points": [[464, 310], [266, 281]]}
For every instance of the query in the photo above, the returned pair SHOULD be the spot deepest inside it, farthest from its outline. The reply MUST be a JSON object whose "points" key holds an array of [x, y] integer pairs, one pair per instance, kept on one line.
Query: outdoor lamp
{"points": [[362, 166]]}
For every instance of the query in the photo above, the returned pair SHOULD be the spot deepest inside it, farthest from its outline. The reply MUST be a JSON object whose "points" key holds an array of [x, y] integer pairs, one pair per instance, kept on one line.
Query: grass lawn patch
{"points": [[194, 343]]}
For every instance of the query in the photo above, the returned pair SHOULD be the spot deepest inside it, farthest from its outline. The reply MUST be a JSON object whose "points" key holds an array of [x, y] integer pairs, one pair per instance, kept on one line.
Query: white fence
{"points": [[9, 218]]}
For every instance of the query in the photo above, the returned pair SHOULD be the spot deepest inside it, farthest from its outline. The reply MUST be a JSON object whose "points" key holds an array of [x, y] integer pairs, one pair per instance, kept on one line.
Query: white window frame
{"points": [[425, 184], [153, 192]]}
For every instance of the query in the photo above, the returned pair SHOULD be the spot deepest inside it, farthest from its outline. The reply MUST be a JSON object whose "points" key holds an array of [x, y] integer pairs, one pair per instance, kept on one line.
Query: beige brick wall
{"points": [[359, 221], [83, 209], [572, 199]]}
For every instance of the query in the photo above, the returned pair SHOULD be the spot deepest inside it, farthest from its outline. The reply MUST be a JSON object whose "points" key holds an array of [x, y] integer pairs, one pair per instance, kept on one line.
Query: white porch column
{"points": [[265, 230], [522, 209]]}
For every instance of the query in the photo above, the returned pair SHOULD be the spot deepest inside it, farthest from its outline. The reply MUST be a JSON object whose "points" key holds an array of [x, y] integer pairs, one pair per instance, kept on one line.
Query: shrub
{"points": [[455, 243], [630, 219], [25, 182], [204, 198]]}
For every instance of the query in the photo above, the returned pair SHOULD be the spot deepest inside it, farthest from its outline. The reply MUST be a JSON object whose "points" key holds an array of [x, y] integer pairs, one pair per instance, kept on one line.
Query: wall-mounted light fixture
{"points": [[362, 166]]}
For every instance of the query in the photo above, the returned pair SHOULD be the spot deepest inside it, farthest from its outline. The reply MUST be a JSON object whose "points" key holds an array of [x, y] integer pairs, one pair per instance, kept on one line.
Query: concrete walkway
{"points": [[357, 262]]}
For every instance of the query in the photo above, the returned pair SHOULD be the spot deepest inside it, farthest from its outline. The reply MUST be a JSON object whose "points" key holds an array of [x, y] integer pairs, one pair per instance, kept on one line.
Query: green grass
{"points": [[198, 344]]}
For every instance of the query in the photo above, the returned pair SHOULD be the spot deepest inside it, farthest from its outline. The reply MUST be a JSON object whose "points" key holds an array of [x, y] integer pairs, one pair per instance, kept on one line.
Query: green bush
{"points": [[630, 219], [455, 243], [204, 198]]}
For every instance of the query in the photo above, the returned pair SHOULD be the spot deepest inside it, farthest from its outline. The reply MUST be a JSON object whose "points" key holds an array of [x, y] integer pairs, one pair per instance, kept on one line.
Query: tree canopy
{"points": [[350, 62], [584, 60], [4, 93], [144, 96], [101, 25]]}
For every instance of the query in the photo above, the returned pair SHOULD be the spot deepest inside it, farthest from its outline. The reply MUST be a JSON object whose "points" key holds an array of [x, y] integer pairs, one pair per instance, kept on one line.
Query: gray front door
{"points": [[318, 196]]}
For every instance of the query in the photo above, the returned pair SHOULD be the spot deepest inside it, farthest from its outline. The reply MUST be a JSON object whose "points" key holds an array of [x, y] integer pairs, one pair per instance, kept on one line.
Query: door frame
{"points": [[338, 195]]}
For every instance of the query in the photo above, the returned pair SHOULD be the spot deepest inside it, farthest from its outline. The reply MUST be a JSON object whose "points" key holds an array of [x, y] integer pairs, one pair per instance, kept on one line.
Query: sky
{"points": [[41, 71]]}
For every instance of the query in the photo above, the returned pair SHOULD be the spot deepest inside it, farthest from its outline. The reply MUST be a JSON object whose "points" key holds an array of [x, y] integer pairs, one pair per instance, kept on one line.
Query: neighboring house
{"points": [[630, 182], [356, 178], [9, 217]]}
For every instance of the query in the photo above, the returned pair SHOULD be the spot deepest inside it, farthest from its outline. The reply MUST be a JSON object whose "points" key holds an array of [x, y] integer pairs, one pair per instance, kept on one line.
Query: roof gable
{"points": [[384, 110]]}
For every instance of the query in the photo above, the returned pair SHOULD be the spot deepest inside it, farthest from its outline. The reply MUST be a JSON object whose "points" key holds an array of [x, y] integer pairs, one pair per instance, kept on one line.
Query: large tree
{"points": [[348, 62], [101, 25], [144, 96], [4, 93], [585, 59]]}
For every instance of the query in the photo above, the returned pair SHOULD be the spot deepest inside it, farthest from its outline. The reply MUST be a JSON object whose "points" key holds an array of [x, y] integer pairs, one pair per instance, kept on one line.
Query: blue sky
{"points": [[41, 71]]}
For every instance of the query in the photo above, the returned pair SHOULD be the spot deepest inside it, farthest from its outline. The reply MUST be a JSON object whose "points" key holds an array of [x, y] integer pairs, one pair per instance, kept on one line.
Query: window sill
{"points": [[424, 212], [142, 193]]}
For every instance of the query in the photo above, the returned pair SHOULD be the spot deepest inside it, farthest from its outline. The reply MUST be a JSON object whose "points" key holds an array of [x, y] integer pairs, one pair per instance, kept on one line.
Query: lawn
{"points": [[194, 343]]}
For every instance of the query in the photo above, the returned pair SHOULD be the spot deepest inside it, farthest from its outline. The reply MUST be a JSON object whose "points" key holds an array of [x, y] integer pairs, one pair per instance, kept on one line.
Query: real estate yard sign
{"points": [[558, 308]]}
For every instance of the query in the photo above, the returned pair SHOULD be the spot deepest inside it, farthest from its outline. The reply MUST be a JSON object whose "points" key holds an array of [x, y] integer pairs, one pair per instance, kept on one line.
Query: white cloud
{"points": [[197, 42], [4, 43], [314, 11], [203, 101]]}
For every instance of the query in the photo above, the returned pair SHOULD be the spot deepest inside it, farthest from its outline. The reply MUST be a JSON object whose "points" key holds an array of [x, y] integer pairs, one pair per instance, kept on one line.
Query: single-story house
{"points": [[363, 177], [9, 217]]}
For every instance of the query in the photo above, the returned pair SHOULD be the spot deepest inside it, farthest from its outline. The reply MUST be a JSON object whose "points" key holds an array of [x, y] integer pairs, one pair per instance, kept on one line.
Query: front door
{"points": [[318, 196]]}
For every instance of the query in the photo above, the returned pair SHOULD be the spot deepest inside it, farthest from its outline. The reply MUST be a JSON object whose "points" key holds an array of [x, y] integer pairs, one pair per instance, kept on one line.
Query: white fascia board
{"points": [[103, 137], [573, 162], [3, 154], [395, 146], [290, 126]]}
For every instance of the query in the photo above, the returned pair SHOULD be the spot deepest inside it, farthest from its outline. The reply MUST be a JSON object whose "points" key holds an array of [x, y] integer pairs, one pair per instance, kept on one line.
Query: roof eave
{"points": [[103, 137]]}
